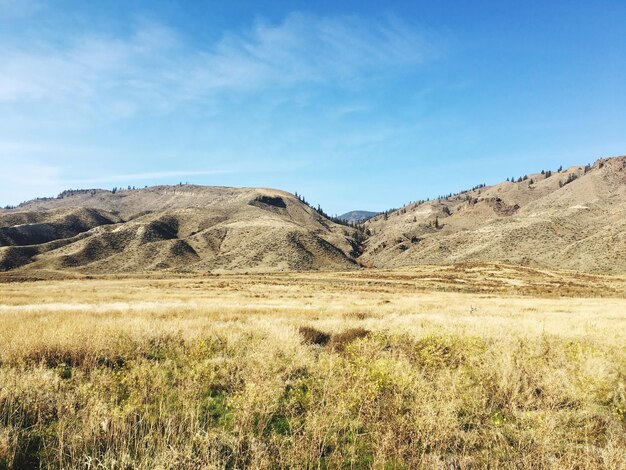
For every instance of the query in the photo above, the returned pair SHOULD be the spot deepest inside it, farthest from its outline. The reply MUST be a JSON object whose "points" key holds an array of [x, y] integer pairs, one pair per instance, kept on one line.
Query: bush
{"points": [[312, 335], [339, 341]]}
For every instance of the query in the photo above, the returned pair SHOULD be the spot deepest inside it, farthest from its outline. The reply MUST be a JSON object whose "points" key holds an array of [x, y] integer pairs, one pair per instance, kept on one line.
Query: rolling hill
{"points": [[572, 219], [180, 228]]}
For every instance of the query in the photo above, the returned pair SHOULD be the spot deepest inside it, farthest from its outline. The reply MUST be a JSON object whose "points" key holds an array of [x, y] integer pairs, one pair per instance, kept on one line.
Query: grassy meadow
{"points": [[455, 368]]}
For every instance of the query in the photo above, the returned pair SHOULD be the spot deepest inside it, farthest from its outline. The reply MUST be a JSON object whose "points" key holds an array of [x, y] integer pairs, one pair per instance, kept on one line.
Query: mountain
{"points": [[572, 219], [356, 217], [178, 228]]}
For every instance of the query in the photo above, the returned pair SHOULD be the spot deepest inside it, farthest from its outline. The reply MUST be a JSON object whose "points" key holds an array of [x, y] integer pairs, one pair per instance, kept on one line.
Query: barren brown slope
{"points": [[557, 222], [181, 228]]}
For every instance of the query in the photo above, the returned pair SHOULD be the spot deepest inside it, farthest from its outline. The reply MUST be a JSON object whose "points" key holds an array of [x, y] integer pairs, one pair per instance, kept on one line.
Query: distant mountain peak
{"points": [[357, 216]]}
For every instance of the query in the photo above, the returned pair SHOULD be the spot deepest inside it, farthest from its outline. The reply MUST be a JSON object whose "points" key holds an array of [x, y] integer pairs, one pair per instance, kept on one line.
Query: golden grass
{"points": [[214, 372]]}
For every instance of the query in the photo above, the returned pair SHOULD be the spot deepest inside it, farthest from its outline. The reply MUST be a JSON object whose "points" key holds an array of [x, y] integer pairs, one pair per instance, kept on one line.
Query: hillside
{"points": [[573, 219], [180, 228]]}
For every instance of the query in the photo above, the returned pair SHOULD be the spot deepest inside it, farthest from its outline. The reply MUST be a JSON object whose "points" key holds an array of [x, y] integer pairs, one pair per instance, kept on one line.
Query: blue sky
{"points": [[352, 104]]}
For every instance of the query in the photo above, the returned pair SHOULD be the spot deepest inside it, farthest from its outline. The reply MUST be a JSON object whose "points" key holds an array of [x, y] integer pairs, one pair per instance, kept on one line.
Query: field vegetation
{"points": [[453, 368]]}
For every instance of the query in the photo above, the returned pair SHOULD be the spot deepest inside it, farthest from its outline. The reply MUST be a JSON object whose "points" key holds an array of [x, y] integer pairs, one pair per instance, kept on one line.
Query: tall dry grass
{"points": [[226, 377]]}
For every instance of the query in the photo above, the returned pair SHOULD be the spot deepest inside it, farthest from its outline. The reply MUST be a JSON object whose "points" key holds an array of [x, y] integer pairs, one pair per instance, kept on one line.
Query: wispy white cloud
{"points": [[154, 69], [57, 88], [21, 150], [20, 180], [29, 172], [155, 175], [89, 69], [19, 8], [306, 48], [347, 110]]}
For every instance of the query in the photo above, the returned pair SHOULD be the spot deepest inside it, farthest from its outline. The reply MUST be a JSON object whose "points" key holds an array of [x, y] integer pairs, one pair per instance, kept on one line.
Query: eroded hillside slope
{"points": [[570, 219], [182, 228], [573, 219]]}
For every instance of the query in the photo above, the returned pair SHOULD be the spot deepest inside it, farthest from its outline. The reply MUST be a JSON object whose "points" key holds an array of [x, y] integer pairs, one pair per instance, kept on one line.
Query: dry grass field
{"points": [[474, 366]]}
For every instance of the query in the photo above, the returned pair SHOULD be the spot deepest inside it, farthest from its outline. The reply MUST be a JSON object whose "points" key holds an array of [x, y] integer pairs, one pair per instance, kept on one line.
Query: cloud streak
{"points": [[23, 179], [154, 69], [82, 109], [19, 8], [155, 175], [309, 49]]}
